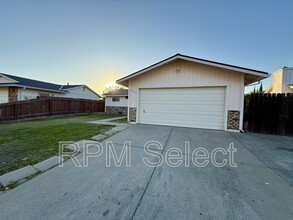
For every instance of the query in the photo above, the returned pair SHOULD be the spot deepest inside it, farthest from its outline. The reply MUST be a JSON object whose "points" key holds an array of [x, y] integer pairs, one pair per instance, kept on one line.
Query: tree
{"points": [[261, 88], [254, 90], [112, 87]]}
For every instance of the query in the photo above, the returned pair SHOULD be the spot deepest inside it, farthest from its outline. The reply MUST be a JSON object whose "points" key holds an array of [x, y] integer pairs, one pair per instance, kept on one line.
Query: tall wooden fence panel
{"points": [[269, 114], [48, 107]]}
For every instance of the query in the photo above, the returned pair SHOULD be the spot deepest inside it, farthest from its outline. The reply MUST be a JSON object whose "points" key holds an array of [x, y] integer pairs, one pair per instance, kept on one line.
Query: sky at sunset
{"points": [[97, 42]]}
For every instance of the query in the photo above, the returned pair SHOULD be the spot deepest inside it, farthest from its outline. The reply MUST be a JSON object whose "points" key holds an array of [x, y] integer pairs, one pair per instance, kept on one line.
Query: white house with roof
{"points": [[282, 81], [189, 92], [15, 88], [80, 92], [116, 102]]}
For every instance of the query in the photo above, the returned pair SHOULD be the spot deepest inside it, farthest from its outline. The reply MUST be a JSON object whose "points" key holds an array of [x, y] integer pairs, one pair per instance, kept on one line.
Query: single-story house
{"points": [[189, 92], [15, 88], [282, 81], [116, 102]]}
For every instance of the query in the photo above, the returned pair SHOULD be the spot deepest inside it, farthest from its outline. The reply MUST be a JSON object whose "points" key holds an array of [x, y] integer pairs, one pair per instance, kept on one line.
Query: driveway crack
{"points": [[147, 185]]}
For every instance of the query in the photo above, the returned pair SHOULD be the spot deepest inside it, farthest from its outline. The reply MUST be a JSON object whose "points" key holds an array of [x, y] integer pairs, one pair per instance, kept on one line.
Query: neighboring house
{"points": [[189, 92], [14, 88], [80, 92], [116, 102], [282, 81]]}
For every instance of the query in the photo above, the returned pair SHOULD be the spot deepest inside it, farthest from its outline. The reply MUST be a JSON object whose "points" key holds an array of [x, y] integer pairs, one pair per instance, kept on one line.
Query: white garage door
{"points": [[185, 107]]}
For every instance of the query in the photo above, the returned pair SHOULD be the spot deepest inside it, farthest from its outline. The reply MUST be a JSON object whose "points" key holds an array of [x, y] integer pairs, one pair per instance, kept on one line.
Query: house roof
{"points": [[30, 83], [119, 92], [71, 86], [251, 75], [18, 81]]}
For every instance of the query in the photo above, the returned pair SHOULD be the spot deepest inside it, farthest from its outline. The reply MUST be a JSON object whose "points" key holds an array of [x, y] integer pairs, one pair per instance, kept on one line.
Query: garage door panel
{"points": [[194, 106], [172, 112], [183, 117], [183, 94], [185, 101], [187, 91], [187, 107], [182, 97]]}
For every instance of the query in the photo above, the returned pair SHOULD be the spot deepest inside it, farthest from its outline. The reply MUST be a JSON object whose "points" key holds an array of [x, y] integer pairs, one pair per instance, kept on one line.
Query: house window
{"points": [[115, 99], [126, 97], [44, 95]]}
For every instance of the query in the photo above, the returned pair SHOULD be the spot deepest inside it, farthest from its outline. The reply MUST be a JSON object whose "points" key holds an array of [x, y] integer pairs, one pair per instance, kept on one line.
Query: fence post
{"points": [[15, 112], [289, 113], [49, 106]]}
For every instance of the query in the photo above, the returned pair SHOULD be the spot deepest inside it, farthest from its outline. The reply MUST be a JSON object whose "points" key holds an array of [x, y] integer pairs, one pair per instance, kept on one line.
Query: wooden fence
{"points": [[269, 114], [48, 107]]}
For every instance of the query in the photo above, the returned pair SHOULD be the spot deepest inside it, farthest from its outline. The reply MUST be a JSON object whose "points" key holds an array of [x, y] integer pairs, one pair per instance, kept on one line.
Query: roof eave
{"points": [[74, 87], [122, 83], [124, 80], [8, 78], [30, 87], [254, 78], [85, 87], [115, 95]]}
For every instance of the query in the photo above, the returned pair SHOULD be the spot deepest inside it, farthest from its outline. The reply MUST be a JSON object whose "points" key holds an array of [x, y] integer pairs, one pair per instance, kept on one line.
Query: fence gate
{"points": [[269, 114]]}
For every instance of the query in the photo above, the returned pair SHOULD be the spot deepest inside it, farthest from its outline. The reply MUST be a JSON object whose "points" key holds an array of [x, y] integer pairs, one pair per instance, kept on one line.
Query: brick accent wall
{"points": [[132, 114], [116, 110], [12, 94], [233, 120]]}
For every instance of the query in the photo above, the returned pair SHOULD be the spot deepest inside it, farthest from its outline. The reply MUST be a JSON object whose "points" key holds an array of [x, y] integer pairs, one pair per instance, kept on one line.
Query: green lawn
{"points": [[28, 142]]}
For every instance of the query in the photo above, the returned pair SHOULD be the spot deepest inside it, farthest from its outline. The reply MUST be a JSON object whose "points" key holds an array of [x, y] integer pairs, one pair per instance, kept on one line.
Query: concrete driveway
{"points": [[255, 189]]}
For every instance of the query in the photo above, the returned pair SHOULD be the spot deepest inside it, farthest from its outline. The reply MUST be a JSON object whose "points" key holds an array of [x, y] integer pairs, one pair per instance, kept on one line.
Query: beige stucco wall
{"points": [[181, 73]]}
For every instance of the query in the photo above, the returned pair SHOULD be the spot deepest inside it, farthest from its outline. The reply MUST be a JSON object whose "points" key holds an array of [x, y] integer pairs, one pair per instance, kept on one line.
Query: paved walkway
{"points": [[108, 122], [251, 191]]}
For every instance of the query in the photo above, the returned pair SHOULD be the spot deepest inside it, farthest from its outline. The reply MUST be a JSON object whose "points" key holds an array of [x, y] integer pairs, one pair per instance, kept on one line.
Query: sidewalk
{"points": [[108, 122]]}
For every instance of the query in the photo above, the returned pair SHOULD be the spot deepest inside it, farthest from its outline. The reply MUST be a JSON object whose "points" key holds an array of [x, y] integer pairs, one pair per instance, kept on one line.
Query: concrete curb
{"points": [[110, 132], [22, 173], [47, 164], [80, 145], [17, 175], [119, 128], [98, 137]]}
